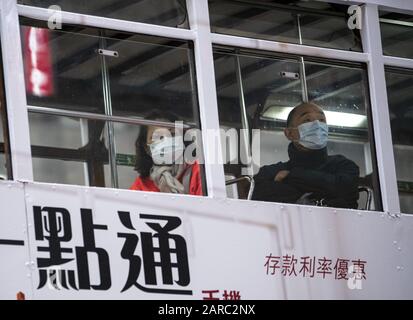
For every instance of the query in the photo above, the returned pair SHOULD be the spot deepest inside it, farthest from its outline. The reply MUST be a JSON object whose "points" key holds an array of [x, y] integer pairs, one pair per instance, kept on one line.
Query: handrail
{"points": [[249, 179], [369, 192], [104, 117]]}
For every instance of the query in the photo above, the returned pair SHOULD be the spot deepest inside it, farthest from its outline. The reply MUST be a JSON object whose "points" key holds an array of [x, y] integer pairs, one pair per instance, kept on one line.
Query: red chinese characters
{"points": [[216, 295], [289, 265]]}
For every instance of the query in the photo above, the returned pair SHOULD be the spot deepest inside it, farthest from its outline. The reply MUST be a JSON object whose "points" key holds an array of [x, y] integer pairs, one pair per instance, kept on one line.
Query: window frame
{"points": [[5, 145], [203, 39]]}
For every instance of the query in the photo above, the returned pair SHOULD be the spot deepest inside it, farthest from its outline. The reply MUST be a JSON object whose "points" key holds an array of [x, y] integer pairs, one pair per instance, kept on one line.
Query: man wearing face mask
{"points": [[311, 176]]}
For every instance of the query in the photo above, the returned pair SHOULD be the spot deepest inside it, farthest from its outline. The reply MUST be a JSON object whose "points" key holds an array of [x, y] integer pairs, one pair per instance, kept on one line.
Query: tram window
{"points": [[5, 161], [397, 34], [271, 87], [400, 95], [307, 22], [171, 13], [97, 89]]}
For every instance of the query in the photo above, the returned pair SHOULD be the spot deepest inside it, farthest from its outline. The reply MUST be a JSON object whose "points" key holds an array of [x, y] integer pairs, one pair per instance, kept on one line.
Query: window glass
{"points": [[171, 13], [63, 69], [400, 94], [77, 150], [159, 74], [343, 93], [247, 20], [330, 31], [63, 131], [271, 87], [304, 22], [397, 34], [72, 148], [87, 108], [58, 171], [138, 70]]}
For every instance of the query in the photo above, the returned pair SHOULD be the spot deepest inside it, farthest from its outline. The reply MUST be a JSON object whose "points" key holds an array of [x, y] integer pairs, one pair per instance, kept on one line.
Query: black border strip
{"points": [[11, 242]]}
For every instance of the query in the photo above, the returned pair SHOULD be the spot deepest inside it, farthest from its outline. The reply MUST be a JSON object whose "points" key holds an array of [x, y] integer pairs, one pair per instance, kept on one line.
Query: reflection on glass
{"points": [[400, 95], [305, 22], [62, 69], [171, 13], [397, 34], [271, 88]]}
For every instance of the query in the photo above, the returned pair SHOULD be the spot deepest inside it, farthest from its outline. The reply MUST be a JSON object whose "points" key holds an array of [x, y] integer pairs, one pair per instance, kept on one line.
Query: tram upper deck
{"points": [[84, 83]]}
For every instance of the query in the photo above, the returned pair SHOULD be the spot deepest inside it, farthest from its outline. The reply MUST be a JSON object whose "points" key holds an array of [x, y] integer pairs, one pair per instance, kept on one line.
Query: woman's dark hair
{"points": [[144, 162]]}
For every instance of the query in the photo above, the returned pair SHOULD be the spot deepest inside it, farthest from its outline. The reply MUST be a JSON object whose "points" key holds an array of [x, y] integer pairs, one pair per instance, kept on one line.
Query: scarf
{"points": [[166, 178]]}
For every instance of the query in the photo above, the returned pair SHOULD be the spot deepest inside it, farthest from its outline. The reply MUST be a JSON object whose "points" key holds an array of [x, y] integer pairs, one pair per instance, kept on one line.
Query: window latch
{"points": [[108, 53], [289, 75]]}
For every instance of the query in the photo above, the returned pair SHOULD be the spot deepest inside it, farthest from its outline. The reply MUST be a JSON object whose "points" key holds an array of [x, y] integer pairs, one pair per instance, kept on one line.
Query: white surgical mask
{"points": [[313, 135], [167, 151]]}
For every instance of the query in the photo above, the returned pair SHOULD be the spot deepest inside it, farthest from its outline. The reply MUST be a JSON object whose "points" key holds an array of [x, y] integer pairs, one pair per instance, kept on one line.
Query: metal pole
{"points": [[303, 76], [245, 134], [85, 140], [108, 111], [103, 117]]}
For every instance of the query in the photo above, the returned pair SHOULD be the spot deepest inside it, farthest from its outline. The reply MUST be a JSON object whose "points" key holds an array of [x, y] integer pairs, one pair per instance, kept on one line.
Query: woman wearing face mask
{"points": [[332, 180], [160, 160]]}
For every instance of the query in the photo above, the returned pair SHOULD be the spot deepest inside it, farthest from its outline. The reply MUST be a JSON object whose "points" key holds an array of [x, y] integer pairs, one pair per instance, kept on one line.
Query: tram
{"points": [[86, 212]]}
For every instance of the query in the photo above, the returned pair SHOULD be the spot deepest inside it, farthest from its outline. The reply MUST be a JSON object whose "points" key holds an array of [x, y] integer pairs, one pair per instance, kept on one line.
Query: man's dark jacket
{"points": [[332, 178]]}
